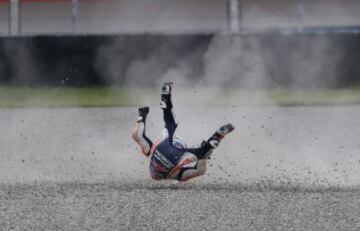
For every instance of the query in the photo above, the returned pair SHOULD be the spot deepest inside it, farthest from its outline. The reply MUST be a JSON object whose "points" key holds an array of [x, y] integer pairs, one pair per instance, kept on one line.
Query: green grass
{"points": [[61, 97], [315, 97], [119, 96]]}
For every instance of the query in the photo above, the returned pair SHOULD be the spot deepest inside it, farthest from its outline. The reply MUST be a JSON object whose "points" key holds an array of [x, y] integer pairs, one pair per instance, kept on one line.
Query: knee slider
{"points": [[188, 161], [193, 169]]}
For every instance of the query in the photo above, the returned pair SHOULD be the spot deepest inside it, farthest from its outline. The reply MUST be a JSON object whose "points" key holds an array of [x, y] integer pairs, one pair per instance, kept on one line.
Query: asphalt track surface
{"points": [[283, 169]]}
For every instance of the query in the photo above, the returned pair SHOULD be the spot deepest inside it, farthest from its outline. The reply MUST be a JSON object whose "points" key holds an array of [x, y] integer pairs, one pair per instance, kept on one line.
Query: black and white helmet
{"points": [[178, 142]]}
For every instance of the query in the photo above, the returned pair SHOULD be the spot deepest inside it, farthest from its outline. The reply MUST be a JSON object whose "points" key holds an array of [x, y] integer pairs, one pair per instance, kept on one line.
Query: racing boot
{"points": [[165, 102], [143, 112], [220, 134], [214, 141]]}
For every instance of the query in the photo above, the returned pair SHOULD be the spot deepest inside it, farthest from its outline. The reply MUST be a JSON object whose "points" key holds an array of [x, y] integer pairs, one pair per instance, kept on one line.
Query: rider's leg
{"points": [[138, 133], [189, 167], [166, 105], [194, 162], [207, 147], [190, 173]]}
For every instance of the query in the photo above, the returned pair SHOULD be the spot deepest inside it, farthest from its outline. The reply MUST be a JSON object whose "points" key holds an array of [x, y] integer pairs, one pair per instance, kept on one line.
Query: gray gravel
{"points": [[299, 146], [164, 207], [283, 169]]}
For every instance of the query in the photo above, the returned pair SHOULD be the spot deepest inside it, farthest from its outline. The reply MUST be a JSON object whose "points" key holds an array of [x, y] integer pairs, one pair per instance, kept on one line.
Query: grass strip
{"points": [[14, 97]]}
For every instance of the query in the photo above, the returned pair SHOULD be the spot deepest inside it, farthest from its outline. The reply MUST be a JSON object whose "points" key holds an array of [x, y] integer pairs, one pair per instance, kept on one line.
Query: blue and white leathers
{"points": [[169, 157]]}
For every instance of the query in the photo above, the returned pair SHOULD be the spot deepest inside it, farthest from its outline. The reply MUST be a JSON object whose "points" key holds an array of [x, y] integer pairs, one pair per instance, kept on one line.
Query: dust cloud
{"points": [[21, 56], [271, 145]]}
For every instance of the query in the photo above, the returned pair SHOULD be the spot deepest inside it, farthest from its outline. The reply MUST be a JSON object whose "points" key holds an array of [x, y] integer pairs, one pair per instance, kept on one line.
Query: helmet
{"points": [[178, 142]]}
